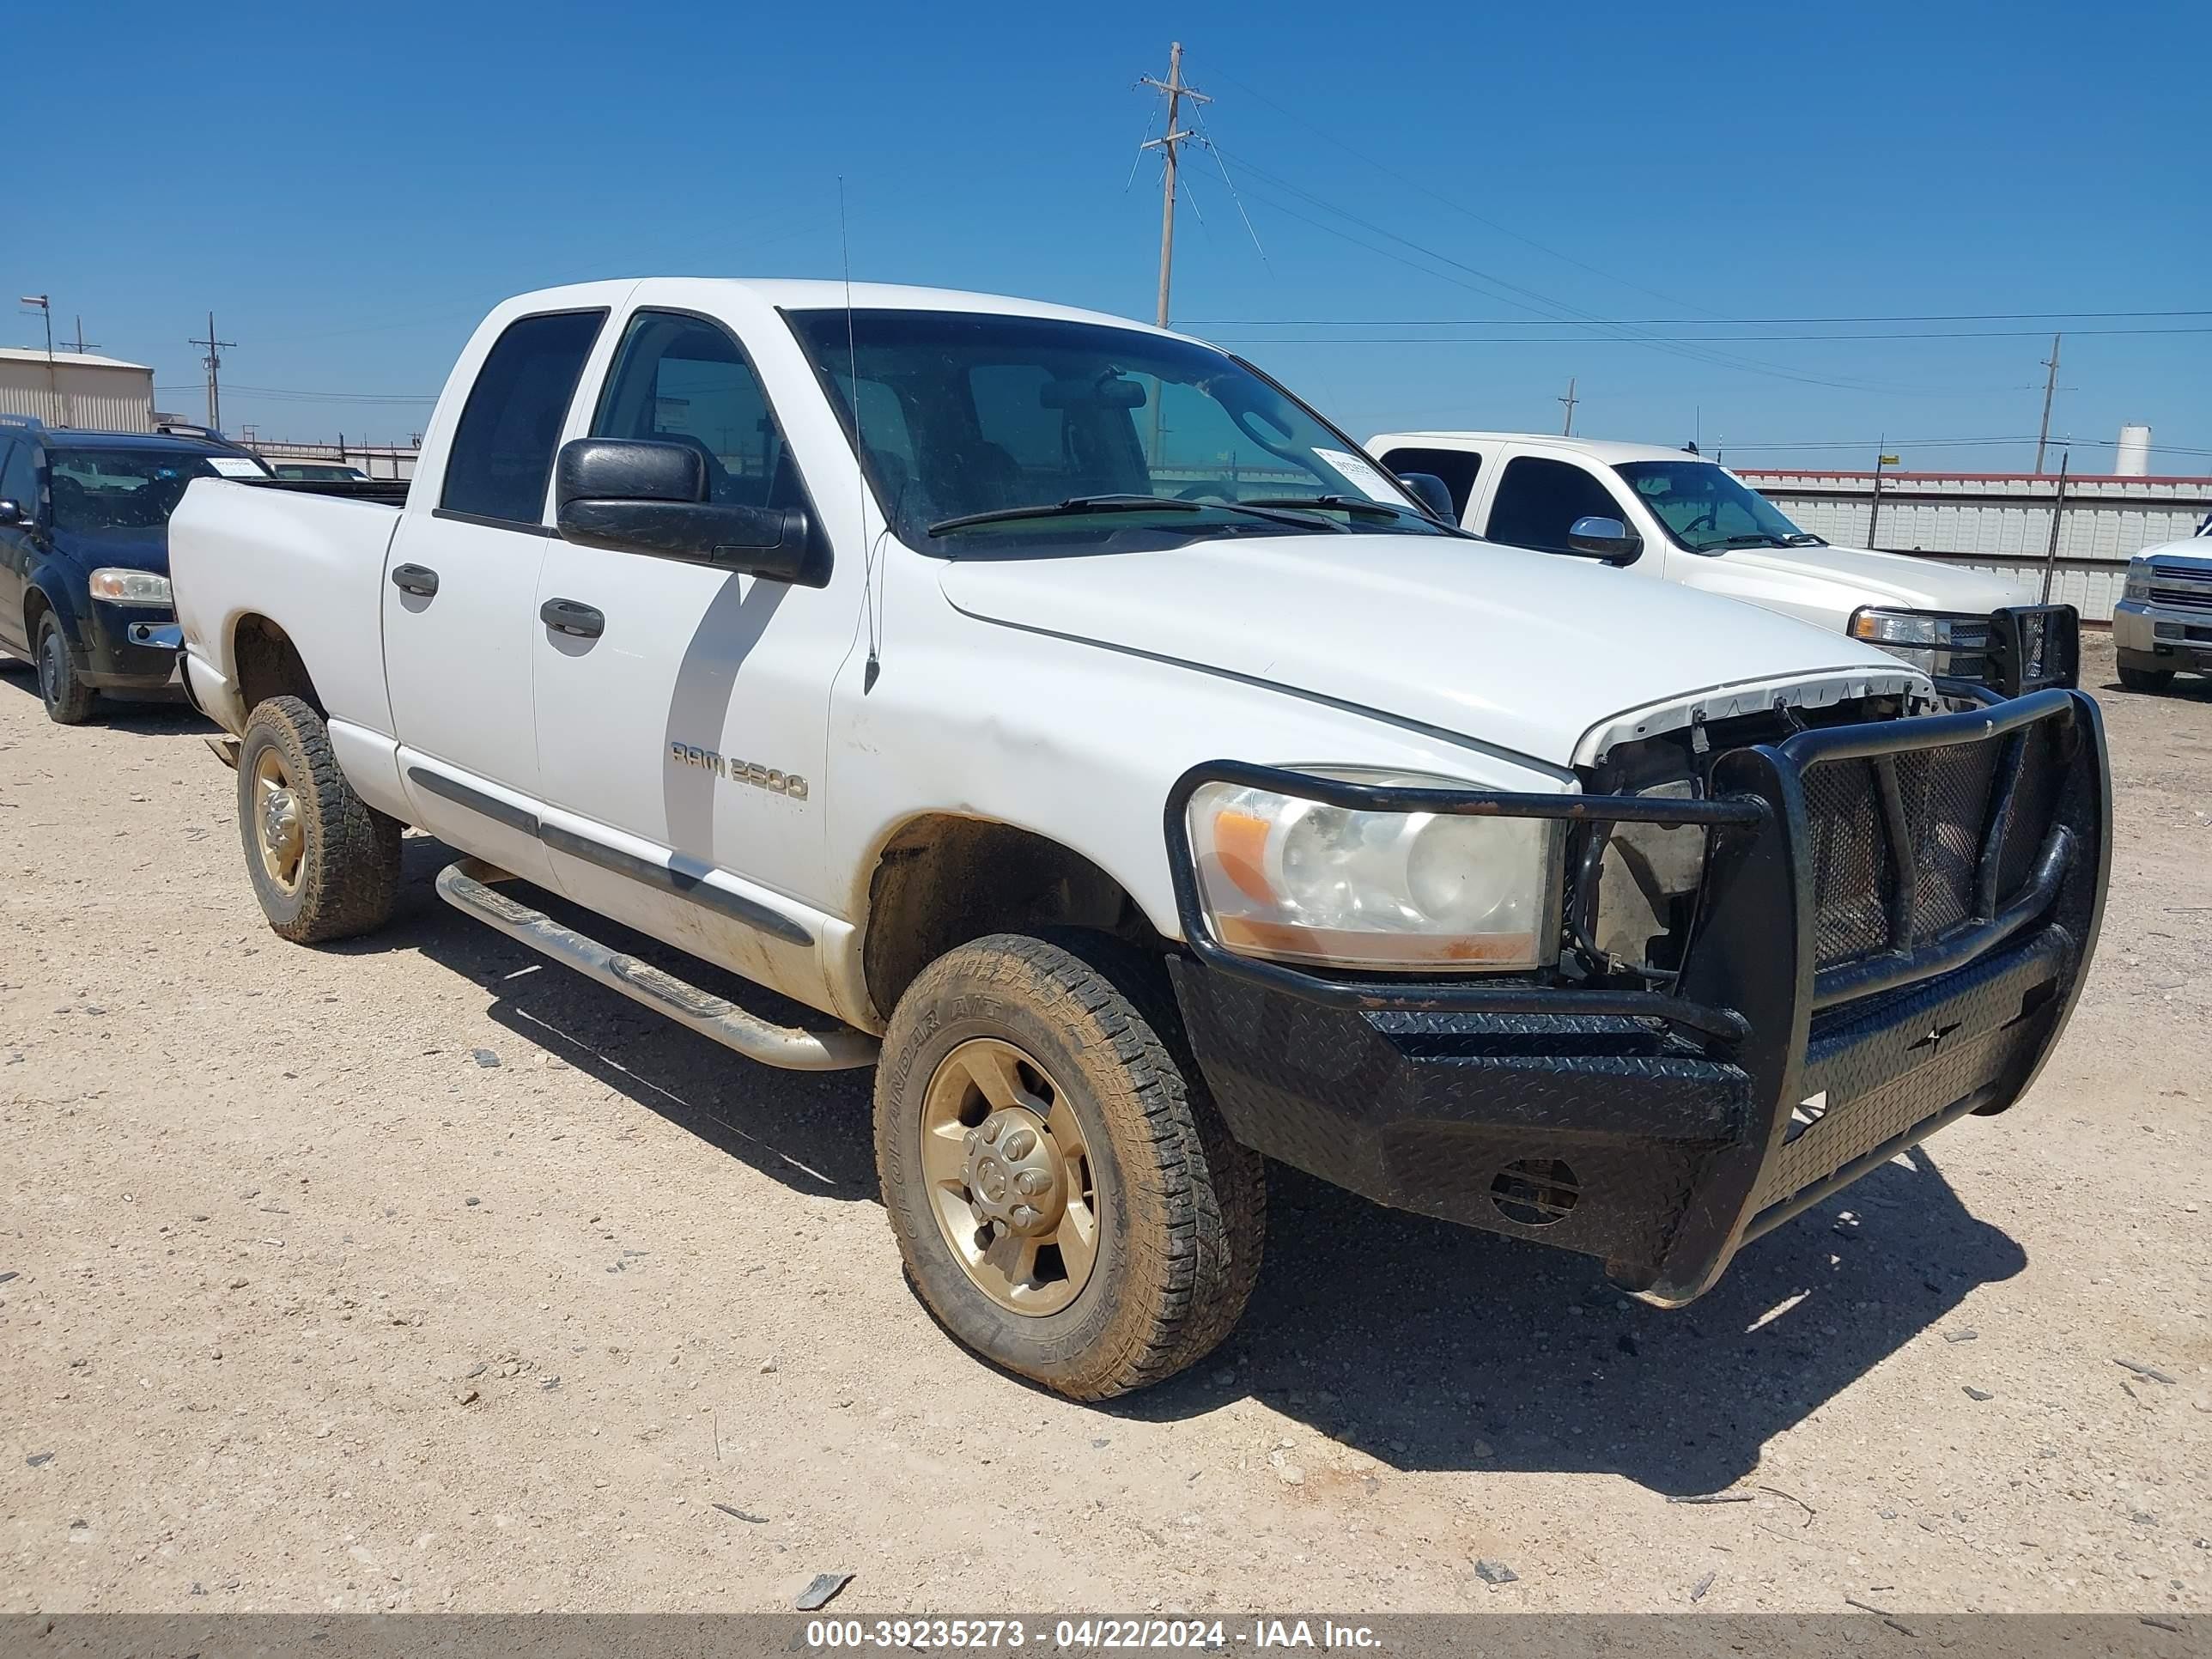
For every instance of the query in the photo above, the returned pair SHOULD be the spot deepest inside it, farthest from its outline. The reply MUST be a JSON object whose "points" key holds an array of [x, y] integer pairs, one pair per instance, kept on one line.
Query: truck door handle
{"points": [[567, 617], [415, 579]]}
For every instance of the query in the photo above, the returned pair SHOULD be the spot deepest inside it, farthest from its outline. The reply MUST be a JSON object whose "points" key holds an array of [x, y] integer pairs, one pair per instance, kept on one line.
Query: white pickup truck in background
{"points": [[1678, 517], [1127, 768]]}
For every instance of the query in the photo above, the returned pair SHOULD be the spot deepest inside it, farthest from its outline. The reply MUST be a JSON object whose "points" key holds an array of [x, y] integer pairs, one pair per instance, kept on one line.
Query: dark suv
{"points": [[84, 555]]}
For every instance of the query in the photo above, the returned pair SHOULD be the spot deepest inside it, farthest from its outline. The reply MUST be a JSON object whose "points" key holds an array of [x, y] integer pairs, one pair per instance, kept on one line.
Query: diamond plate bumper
{"points": [[1662, 1133]]}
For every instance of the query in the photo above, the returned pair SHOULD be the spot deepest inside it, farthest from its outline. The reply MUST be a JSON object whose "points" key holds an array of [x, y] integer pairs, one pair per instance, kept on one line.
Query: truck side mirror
{"points": [[11, 513], [640, 496], [1432, 492], [1604, 538]]}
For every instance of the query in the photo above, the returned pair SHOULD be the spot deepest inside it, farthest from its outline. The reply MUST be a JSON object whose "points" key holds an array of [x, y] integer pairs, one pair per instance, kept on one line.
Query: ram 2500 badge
{"points": [[1168, 798]]}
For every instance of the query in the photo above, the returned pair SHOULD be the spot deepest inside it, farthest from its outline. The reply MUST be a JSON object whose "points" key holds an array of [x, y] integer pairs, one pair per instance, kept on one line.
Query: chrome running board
{"points": [[467, 886]]}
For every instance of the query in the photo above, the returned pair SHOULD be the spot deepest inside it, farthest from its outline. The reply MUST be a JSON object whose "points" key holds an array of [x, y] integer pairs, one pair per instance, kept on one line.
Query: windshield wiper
{"points": [[1757, 539], [1074, 505], [1352, 504], [1803, 538], [1078, 506]]}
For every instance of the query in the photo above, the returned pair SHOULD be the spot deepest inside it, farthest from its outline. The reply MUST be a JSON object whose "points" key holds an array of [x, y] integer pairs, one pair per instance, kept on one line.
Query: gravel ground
{"points": [[415, 1274]]}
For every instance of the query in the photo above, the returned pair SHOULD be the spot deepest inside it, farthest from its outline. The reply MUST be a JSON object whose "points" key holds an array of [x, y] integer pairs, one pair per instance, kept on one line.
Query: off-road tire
{"points": [[67, 697], [2146, 679], [1182, 1208], [349, 864]]}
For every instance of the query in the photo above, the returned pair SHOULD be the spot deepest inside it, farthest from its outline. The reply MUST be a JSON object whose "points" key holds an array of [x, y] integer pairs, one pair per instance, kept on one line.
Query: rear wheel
{"points": [[1066, 1197], [67, 697], [325, 864], [2146, 679]]}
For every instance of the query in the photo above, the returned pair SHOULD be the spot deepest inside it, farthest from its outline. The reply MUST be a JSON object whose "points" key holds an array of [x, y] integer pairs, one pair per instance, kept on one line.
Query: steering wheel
{"points": [[1707, 519], [1202, 492]]}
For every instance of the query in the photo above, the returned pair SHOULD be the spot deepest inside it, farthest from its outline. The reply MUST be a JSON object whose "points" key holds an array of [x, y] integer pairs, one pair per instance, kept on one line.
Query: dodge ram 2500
{"points": [[1130, 771]]}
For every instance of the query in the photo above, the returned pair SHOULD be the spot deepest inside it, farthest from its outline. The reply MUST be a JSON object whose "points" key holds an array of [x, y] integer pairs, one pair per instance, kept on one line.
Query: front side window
{"points": [[1706, 508], [983, 432], [105, 489], [1538, 499], [501, 456], [681, 379]]}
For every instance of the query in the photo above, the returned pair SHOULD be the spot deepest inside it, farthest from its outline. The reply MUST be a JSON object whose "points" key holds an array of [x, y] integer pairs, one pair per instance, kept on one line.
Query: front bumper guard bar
{"points": [[1702, 1084]]}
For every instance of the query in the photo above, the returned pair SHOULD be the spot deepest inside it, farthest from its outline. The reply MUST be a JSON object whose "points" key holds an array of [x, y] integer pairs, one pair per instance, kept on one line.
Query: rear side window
{"points": [[502, 450], [1537, 500], [1458, 468]]}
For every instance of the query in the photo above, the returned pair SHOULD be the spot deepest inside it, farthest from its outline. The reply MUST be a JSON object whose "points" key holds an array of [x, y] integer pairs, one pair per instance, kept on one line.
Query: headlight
{"points": [[1298, 880], [1924, 638], [130, 587], [2138, 586]]}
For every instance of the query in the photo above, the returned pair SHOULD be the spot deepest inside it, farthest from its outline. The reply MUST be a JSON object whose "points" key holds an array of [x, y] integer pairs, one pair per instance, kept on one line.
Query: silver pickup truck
{"points": [[2163, 623]]}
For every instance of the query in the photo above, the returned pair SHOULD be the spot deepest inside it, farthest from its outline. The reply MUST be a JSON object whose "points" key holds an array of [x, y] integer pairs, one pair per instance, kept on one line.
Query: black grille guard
{"points": [[1749, 990]]}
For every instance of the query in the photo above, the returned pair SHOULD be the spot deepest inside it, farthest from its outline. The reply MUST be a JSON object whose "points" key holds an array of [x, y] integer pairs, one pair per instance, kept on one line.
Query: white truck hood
{"points": [[1856, 576], [1541, 656]]}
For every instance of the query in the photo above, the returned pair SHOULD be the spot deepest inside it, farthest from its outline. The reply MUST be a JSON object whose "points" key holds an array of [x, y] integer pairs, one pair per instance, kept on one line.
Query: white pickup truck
{"points": [[1677, 517], [1133, 773]]}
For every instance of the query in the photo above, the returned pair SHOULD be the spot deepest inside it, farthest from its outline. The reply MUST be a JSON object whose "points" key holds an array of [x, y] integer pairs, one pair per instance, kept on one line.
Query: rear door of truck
{"points": [[461, 608]]}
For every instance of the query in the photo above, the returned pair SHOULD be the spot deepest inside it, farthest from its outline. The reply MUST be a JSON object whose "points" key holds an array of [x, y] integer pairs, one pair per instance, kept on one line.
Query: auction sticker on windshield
{"points": [[1370, 483], [236, 466]]}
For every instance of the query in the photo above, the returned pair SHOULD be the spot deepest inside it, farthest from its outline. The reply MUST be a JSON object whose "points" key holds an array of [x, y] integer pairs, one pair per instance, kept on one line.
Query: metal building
{"points": [[1999, 522], [77, 388]]}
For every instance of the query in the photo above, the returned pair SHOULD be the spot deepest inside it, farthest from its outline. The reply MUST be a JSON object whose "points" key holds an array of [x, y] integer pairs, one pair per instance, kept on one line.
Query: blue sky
{"points": [[348, 190]]}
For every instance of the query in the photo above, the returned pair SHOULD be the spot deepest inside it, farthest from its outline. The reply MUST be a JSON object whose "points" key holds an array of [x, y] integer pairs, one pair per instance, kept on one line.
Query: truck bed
{"points": [[301, 561]]}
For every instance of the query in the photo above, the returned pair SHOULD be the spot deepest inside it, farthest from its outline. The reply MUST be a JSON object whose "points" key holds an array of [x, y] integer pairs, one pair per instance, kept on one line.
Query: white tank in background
{"points": [[2132, 459]]}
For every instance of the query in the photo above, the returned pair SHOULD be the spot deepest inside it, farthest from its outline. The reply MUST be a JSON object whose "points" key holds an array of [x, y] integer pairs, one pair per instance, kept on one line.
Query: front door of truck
{"points": [[1537, 499], [681, 710], [460, 611]]}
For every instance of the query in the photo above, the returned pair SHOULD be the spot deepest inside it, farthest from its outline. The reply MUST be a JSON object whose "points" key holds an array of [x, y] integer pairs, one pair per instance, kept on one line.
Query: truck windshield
{"points": [[1707, 510], [120, 488], [979, 430]]}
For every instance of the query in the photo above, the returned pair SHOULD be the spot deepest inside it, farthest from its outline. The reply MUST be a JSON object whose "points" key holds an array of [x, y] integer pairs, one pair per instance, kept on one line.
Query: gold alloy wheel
{"points": [[276, 828], [1009, 1177]]}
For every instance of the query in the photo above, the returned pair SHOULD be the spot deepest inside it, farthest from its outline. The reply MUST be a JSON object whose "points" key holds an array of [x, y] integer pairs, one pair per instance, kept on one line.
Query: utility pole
{"points": [[1570, 400], [78, 345], [1874, 504], [214, 361], [1177, 91], [2050, 387], [53, 387], [2058, 510]]}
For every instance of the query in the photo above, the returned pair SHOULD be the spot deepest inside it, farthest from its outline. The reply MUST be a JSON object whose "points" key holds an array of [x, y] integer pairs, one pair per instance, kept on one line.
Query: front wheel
{"points": [[325, 864], [67, 697], [1066, 1197]]}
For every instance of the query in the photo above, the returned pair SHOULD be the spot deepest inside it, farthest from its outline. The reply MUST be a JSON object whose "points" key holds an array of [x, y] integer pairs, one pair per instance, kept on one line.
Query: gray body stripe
{"points": [[686, 884]]}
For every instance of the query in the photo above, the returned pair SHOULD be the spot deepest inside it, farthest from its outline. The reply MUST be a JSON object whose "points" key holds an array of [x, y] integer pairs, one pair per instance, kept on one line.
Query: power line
{"points": [[1551, 310]]}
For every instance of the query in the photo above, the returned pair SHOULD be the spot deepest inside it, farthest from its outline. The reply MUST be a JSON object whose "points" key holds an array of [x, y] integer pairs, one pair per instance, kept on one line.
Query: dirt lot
{"points": [[415, 1274]]}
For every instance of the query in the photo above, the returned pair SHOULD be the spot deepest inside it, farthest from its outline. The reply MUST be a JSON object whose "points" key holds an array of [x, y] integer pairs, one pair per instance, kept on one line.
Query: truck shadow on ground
{"points": [[1425, 1345], [810, 1130], [1433, 1346]]}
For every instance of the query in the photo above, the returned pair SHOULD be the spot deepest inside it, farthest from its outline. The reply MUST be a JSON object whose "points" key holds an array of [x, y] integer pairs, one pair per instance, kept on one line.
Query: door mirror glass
{"points": [[10, 512], [1432, 492], [647, 497], [1603, 539]]}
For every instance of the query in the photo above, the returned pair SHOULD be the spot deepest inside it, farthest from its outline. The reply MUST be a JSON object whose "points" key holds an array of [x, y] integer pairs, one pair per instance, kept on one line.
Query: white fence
{"points": [[2000, 522]]}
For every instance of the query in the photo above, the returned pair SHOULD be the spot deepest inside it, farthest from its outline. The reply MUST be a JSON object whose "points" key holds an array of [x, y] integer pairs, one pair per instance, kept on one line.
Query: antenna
{"points": [[859, 472]]}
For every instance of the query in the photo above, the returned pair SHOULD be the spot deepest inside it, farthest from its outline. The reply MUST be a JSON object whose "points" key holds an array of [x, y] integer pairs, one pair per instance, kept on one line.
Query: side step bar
{"points": [[466, 885]]}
